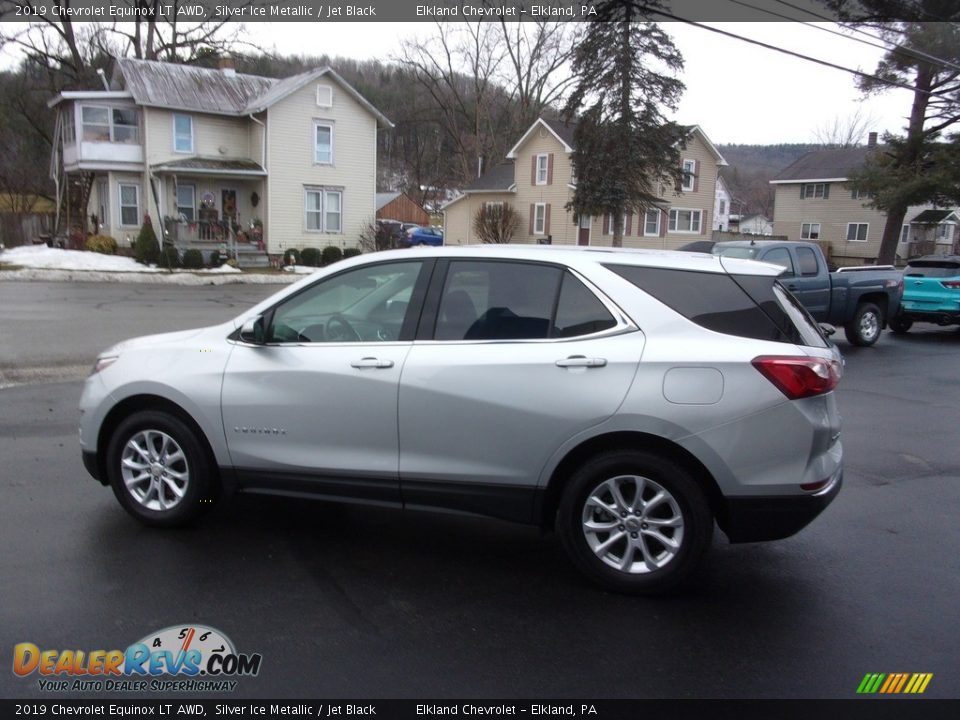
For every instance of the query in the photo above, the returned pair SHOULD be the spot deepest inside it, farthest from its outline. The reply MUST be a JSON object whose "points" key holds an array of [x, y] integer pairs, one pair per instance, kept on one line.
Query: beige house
{"points": [[216, 157], [537, 182], [814, 201]]}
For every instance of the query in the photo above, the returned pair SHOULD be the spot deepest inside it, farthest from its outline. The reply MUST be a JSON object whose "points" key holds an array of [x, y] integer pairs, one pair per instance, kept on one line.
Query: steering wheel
{"points": [[339, 329]]}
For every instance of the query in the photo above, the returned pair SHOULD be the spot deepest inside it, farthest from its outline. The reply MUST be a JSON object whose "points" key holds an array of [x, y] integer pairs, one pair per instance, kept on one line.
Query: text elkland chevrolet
{"points": [[628, 399]]}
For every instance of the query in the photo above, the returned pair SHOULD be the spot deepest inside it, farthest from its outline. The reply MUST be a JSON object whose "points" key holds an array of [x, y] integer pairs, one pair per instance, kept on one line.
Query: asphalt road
{"points": [[357, 602]]}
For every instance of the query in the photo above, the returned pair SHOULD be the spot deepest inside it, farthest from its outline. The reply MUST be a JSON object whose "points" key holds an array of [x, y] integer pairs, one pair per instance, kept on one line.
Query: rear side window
{"points": [[807, 260], [932, 269], [579, 311], [745, 306], [781, 257]]}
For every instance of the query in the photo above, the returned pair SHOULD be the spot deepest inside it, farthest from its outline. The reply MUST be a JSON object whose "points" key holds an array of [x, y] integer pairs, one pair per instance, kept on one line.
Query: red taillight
{"points": [[799, 376], [951, 284]]}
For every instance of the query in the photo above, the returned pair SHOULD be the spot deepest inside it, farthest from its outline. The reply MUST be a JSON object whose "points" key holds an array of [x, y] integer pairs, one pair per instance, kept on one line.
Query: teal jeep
{"points": [[931, 292]]}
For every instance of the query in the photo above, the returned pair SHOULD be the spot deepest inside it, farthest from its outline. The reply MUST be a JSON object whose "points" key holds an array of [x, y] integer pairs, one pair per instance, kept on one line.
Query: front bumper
{"points": [[757, 519]]}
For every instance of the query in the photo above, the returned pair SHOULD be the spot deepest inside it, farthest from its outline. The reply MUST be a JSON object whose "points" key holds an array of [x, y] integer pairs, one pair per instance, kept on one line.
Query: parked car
{"points": [[861, 299], [627, 399], [931, 292], [426, 236], [409, 227]]}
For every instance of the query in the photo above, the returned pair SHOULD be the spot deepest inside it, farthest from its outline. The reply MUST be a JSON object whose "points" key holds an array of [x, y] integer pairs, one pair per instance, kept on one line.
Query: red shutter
{"points": [[533, 210], [533, 170], [664, 222], [606, 224], [627, 230], [696, 175], [550, 169], [546, 219]]}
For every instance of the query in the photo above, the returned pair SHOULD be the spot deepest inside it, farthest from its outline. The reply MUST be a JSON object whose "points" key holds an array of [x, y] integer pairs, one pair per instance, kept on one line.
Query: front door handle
{"points": [[581, 361], [371, 362]]}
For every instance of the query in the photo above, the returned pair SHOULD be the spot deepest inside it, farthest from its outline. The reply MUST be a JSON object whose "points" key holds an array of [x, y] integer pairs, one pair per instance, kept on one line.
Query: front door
{"points": [[314, 410], [583, 231], [228, 205]]}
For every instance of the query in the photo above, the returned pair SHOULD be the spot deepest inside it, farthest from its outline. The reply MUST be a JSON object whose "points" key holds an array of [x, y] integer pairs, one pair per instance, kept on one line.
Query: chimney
{"points": [[872, 140], [228, 65], [481, 165]]}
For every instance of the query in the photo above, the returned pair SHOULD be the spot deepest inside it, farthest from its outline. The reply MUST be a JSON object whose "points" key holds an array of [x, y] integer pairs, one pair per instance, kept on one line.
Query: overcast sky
{"points": [[738, 93]]}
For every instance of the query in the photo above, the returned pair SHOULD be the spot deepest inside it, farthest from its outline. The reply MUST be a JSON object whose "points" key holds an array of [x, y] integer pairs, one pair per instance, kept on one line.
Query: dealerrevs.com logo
{"points": [[201, 658]]}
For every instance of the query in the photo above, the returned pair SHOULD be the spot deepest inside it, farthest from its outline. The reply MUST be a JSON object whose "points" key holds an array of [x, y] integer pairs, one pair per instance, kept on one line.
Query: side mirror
{"points": [[828, 329], [252, 331]]}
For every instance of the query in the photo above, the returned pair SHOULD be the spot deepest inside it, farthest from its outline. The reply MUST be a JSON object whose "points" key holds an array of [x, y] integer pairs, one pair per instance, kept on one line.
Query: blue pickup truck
{"points": [[861, 299]]}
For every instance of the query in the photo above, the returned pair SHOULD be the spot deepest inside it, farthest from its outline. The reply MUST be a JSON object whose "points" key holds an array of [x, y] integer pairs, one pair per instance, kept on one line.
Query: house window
{"points": [[539, 218], [323, 143], [810, 231], [609, 223], [861, 195], [944, 231], [905, 234], [103, 206], [323, 210], [69, 127], [684, 221], [814, 190], [187, 201], [324, 96], [129, 205], [96, 123], [723, 206], [182, 133], [492, 205], [689, 170], [651, 223], [857, 231], [542, 162]]}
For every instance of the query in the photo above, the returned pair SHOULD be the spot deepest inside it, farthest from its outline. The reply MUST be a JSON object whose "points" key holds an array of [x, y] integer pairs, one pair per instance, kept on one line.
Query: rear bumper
{"points": [[940, 317], [757, 519]]}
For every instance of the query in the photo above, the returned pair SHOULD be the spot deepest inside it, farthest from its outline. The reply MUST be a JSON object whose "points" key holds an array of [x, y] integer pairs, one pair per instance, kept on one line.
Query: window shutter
{"points": [[550, 169], [703, 221], [802, 191], [546, 217], [533, 209], [533, 170], [629, 227], [664, 222], [606, 224], [696, 175], [826, 190]]}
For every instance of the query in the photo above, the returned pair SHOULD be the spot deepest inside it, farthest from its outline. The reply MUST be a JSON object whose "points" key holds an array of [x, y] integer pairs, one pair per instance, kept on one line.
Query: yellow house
{"points": [[537, 182]]}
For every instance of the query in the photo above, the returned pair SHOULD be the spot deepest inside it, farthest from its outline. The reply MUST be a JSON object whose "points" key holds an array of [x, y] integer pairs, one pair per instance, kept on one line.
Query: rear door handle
{"points": [[371, 362], [581, 361]]}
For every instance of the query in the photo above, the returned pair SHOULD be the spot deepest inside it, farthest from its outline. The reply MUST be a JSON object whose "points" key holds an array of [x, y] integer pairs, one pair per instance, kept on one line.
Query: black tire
{"points": [[900, 324], [690, 501], [200, 488], [866, 325]]}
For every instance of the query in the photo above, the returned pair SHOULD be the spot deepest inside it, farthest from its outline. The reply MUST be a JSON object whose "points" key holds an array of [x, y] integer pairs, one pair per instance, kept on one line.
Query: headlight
{"points": [[102, 363]]}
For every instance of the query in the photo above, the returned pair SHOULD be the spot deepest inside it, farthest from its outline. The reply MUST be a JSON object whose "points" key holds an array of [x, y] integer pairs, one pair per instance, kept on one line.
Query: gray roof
{"points": [[211, 165], [825, 164], [499, 177], [932, 217], [564, 130], [385, 199]]}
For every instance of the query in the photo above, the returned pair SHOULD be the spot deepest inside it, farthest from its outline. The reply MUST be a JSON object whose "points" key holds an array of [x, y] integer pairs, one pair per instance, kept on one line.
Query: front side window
{"points": [[364, 305], [651, 225], [323, 144], [810, 231], [542, 164], [689, 170], [857, 231], [684, 221], [187, 201], [183, 133], [129, 205], [323, 210]]}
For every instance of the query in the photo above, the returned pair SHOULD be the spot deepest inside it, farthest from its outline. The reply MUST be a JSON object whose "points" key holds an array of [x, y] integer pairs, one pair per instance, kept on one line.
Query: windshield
{"points": [[932, 268], [737, 251]]}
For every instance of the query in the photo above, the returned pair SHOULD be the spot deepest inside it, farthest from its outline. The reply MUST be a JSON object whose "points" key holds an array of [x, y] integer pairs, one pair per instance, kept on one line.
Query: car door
{"points": [[512, 359], [811, 282], [314, 408]]}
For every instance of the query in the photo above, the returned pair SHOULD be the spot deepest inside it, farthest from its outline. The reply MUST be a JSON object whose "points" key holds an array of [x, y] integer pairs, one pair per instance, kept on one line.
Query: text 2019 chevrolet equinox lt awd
{"points": [[628, 399]]}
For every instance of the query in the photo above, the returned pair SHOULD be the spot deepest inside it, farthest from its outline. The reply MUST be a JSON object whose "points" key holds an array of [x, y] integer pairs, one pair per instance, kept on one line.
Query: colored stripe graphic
{"points": [[894, 683]]}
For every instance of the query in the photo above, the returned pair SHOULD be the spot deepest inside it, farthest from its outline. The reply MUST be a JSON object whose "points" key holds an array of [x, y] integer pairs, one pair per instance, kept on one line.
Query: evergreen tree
{"points": [[626, 150], [146, 248]]}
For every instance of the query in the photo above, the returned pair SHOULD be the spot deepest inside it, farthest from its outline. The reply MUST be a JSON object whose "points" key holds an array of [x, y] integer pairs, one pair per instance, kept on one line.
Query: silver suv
{"points": [[628, 399]]}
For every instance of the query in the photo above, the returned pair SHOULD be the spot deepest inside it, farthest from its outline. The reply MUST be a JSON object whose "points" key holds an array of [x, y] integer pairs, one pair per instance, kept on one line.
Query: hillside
{"points": [[751, 169]]}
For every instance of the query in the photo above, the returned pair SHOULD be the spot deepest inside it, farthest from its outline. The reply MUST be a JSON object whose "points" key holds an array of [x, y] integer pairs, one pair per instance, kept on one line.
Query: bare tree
{"points": [[844, 131], [496, 223]]}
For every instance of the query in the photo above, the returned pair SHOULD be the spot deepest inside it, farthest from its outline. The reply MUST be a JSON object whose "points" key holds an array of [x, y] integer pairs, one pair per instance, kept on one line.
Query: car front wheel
{"points": [[864, 329], [158, 469], [635, 522]]}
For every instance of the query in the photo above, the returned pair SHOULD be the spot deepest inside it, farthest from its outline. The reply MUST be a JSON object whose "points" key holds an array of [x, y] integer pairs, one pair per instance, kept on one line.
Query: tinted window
{"points": [[579, 311], [736, 251], [807, 260], [497, 301], [745, 305], [932, 268], [781, 257]]}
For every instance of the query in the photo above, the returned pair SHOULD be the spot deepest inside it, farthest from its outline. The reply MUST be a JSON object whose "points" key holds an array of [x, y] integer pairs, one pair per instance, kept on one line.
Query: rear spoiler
{"points": [[858, 268]]}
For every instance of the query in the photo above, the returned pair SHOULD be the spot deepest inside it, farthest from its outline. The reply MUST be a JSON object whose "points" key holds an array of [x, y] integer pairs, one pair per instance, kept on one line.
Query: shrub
{"points": [[496, 223], [103, 244], [310, 257], [146, 250], [192, 259], [169, 257], [330, 255], [291, 256], [352, 252]]}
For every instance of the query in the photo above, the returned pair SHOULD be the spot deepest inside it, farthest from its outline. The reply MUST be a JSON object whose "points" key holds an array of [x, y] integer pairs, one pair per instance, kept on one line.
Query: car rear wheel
{"points": [[900, 324], [864, 329], [158, 469], [634, 522]]}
